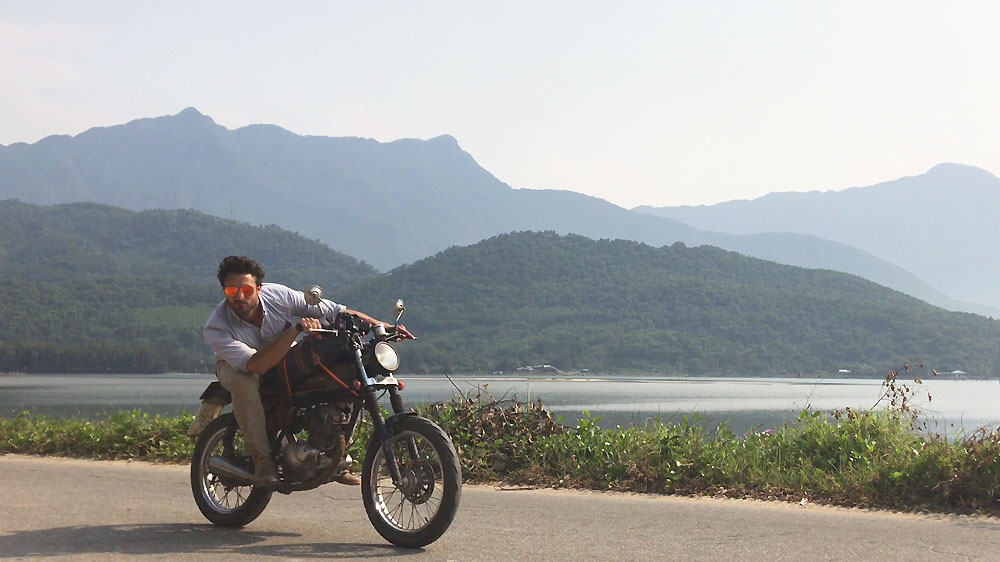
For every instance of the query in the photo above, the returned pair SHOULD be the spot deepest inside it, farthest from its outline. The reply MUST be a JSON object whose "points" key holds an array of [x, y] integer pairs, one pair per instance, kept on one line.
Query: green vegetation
{"points": [[94, 324], [125, 435], [869, 458], [66, 243], [612, 305], [93, 288], [90, 288]]}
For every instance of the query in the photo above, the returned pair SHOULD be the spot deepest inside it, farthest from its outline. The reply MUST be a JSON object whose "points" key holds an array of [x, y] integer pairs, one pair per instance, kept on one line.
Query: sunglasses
{"points": [[247, 291]]}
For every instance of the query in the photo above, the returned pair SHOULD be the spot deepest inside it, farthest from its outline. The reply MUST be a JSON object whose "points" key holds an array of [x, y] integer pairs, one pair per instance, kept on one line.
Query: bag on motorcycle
{"points": [[311, 356]]}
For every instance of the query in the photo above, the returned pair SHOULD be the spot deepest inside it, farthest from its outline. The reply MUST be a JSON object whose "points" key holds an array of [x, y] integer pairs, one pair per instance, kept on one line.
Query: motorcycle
{"points": [[411, 479]]}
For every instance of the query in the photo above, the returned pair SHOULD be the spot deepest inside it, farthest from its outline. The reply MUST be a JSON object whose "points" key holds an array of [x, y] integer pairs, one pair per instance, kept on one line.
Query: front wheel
{"points": [[220, 499], [419, 510]]}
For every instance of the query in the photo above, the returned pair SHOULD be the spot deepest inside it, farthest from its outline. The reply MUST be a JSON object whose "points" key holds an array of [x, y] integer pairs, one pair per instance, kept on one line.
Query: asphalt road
{"points": [[89, 510]]}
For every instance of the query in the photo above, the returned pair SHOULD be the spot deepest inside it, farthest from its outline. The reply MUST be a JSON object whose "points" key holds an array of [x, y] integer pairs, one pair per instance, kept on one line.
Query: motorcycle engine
{"points": [[325, 421], [299, 460], [302, 460]]}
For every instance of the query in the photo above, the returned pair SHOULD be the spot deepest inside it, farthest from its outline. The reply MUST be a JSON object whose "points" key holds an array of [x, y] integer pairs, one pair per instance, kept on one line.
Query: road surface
{"points": [[88, 510]]}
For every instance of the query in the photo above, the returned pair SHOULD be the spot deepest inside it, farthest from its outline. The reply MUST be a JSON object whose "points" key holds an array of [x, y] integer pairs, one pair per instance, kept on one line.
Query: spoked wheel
{"points": [[222, 500], [419, 510]]}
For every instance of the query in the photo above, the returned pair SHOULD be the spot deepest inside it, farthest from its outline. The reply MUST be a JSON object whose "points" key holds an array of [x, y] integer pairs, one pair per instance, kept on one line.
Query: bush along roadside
{"points": [[132, 434], [858, 458]]}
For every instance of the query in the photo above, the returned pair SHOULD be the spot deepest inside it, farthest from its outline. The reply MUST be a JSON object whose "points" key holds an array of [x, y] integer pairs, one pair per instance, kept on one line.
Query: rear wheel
{"points": [[422, 507], [222, 500]]}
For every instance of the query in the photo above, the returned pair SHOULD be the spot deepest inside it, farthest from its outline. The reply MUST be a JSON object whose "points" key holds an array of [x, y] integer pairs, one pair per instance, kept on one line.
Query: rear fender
{"points": [[216, 394]]}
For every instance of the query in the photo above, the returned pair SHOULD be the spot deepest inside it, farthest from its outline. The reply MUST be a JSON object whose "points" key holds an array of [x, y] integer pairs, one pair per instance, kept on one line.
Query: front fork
{"points": [[378, 422]]}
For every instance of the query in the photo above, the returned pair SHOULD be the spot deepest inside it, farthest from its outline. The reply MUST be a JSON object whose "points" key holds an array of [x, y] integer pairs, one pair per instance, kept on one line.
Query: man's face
{"points": [[245, 298]]}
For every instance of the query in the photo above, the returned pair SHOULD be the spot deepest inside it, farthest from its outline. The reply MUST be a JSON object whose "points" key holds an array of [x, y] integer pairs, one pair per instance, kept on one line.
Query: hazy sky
{"points": [[656, 102]]}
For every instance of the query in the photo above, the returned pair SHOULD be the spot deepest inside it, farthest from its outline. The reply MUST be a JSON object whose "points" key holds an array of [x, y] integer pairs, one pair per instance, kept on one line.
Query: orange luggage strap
{"points": [[333, 376], [288, 385]]}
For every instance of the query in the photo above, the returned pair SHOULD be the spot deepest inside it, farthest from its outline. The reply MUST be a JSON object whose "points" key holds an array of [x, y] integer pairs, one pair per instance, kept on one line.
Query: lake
{"points": [[956, 406]]}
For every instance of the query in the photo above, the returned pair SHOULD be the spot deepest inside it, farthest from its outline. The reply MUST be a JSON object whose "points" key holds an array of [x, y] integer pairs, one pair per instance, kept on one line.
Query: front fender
{"points": [[390, 423]]}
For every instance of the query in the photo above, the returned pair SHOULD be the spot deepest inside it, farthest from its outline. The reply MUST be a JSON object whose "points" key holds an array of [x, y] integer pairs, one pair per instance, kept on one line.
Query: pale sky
{"points": [[643, 102]]}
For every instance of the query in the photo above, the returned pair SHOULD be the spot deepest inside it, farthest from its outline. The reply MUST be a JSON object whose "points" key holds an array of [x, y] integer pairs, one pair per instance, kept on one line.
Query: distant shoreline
{"points": [[541, 376]]}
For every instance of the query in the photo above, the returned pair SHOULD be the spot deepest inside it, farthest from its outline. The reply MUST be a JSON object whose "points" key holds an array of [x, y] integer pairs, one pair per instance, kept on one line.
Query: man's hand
{"points": [[310, 324], [401, 330]]}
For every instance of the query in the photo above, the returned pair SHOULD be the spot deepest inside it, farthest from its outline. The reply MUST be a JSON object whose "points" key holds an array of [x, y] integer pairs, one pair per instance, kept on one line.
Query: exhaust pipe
{"points": [[223, 467]]}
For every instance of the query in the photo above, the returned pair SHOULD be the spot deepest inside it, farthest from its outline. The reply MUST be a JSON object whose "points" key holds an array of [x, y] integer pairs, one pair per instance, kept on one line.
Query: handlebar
{"points": [[347, 325]]}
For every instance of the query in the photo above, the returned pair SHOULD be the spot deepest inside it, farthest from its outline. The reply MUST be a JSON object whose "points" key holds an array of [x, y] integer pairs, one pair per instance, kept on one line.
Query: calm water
{"points": [[955, 406]]}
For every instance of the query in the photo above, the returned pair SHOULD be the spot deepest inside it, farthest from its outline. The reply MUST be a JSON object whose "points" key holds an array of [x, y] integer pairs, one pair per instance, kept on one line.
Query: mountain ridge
{"points": [[939, 224], [385, 203]]}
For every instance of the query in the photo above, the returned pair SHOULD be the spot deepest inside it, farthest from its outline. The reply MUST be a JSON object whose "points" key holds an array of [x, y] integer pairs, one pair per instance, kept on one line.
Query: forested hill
{"points": [[88, 287], [90, 240], [575, 303], [91, 288]]}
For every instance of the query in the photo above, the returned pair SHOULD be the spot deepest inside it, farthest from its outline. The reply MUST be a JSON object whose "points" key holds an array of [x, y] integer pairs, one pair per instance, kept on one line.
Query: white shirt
{"points": [[235, 341]]}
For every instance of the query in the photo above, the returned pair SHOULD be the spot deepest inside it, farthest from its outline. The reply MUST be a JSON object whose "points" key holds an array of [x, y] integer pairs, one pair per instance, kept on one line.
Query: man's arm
{"points": [[272, 353], [399, 327], [328, 310]]}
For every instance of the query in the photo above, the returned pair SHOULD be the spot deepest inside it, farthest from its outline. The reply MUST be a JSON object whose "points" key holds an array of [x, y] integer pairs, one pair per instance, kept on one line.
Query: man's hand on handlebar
{"points": [[402, 331], [399, 330], [307, 325]]}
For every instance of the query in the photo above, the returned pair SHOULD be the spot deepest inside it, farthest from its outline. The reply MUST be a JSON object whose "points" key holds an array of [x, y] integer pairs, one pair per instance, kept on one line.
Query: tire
{"points": [[220, 500], [420, 511]]}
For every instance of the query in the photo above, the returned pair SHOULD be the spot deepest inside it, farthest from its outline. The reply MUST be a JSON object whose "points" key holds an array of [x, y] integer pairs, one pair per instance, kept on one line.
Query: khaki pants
{"points": [[245, 388]]}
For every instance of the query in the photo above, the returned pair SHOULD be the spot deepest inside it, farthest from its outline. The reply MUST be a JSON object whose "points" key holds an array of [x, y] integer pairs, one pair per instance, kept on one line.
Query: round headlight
{"points": [[386, 356]]}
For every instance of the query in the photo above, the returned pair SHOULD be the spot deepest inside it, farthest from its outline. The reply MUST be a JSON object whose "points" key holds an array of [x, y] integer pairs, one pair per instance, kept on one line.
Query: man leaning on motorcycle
{"points": [[250, 332]]}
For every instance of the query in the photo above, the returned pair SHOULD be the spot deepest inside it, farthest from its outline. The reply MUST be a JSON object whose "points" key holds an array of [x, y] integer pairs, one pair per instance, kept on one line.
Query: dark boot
{"points": [[343, 476], [264, 472], [347, 478]]}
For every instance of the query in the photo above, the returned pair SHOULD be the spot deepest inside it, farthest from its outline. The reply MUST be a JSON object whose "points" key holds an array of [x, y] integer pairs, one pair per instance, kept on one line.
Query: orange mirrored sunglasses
{"points": [[247, 291]]}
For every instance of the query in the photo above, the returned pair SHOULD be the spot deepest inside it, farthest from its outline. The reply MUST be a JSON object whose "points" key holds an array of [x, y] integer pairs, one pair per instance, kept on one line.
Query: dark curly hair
{"points": [[240, 265]]}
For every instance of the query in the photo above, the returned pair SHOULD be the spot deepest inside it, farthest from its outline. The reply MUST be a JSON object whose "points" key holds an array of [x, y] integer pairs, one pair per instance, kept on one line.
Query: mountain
{"points": [[940, 225], [385, 203], [540, 298]]}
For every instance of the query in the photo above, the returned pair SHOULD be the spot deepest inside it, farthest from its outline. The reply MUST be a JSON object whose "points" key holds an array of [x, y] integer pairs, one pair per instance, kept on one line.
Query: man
{"points": [[250, 332]]}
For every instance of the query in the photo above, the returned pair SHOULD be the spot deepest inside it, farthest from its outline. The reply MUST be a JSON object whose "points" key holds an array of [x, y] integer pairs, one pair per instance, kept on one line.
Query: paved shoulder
{"points": [[117, 511]]}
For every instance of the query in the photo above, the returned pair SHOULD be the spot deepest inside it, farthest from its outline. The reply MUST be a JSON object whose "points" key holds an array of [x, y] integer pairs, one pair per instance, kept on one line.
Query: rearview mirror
{"points": [[313, 295]]}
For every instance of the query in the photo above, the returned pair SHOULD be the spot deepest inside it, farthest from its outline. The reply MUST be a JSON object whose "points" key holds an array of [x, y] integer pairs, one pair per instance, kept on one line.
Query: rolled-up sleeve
{"points": [[227, 348]]}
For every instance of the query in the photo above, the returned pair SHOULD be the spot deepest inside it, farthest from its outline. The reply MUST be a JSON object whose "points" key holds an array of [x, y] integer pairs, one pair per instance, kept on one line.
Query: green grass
{"points": [[867, 459]]}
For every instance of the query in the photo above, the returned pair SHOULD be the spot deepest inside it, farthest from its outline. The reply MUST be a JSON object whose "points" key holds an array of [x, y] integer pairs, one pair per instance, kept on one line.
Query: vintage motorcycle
{"points": [[411, 479]]}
